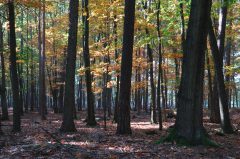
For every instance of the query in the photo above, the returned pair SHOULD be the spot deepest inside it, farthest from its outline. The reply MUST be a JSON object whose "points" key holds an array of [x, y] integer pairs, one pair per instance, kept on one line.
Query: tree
{"points": [[223, 98], [13, 68], [69, 96], [42, 58], [160, 72], [3, 83], [189, 124], [90, 97], [123, 125]]}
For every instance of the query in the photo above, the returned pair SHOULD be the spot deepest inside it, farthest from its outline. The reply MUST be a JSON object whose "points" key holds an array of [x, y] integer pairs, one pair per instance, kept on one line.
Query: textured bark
{"points": [[69, 96], [91, 121], [123, 125], [13, 69], [189, 124]]}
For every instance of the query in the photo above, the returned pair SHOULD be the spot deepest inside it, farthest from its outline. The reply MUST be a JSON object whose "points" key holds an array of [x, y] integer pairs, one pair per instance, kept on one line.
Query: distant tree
{"points": [[123, 125], [69, 96]]}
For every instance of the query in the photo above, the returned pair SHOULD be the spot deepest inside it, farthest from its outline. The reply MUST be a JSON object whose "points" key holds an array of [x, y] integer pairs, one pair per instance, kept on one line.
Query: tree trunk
{"points": [[123, 125], [32, 96], [115, 118], [13, 69], [189, 124], [223, 98], [26, 106], [146, 93], [153, 90], [69, 96], [91, 121], [3, 83], [159, 66], [42, 87]]}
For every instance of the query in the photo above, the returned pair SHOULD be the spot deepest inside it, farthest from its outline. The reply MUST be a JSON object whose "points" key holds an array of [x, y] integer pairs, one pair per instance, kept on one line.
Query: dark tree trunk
{"points": [[215, 112], [123, 126], [115, 118], [91, 121], [223, 98], [153, 90], [69, 96], [80, 95], [32, 96], [20, 70], [146, 93], [13, 69], [159, 67], [212, 97], [26, 106], [189, 124], [42, 87], [228, 57], [3, 83]]}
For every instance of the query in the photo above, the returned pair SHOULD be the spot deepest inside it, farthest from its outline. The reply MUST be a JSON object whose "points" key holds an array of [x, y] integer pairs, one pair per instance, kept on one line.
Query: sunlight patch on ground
{"points": [[121, 148], [82, 143]]}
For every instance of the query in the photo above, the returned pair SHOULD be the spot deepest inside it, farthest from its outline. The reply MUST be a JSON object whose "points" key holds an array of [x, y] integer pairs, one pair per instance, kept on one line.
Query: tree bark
{"points": [[189, 124], [69, 96], [13, 69], [91, 121], [3, 83], [42, 86], [223, 98], [123, 125], [159, 66]]}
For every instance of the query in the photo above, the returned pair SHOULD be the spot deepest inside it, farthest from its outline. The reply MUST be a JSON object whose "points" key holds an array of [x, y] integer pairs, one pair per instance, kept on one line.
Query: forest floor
{"points": [[42, 139]]}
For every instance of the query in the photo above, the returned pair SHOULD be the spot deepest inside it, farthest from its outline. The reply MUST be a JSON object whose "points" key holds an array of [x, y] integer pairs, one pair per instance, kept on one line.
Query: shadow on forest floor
{"points": [[42, 139]]}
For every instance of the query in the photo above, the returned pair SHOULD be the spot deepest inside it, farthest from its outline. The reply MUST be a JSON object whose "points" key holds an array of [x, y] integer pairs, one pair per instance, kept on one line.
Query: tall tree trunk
{"points": [[20, 69], [91, 121], [80, 95], [123, 125], [223, 98], [146, 92], [189, 124], [115, 118], [3, 83], [159, 66], [228, 57], [152, 83], [42, 86], [33, 92], [13, 69], [27, 72], [69, 96]]}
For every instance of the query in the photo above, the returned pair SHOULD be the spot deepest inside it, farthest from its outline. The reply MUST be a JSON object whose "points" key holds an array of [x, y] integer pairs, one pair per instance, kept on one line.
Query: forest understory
{"points": [[42, 139]]}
